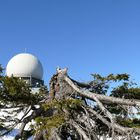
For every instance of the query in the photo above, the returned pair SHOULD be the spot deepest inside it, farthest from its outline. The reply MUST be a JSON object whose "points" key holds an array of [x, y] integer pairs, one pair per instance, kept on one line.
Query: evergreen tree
{"points": [[104, 107]]}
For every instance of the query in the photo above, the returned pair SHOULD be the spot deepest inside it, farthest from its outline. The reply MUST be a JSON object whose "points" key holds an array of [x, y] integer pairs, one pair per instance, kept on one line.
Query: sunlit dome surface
{"points": [[24, 65]]}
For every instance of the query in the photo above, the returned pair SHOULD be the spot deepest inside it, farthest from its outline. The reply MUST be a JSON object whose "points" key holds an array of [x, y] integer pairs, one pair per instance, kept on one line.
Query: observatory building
{"points": [[27, 67]]}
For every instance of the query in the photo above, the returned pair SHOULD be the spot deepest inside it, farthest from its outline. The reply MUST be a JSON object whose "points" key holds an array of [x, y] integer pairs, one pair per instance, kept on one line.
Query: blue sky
{"points": [[87, 36]]}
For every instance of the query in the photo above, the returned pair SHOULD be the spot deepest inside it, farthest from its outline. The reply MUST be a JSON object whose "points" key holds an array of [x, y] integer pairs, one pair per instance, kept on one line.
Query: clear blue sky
{"points": [[87, 36]]}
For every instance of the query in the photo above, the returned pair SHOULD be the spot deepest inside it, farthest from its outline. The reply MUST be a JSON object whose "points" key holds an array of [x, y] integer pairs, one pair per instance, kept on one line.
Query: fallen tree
{"points": [[71, 109]]}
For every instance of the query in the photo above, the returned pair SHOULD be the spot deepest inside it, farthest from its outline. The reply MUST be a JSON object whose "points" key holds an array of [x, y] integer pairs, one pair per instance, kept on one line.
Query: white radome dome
{"points": [[24, 65]]}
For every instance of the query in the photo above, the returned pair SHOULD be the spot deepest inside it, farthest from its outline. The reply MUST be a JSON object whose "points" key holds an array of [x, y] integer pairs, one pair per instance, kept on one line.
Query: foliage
{"points": [[70, 115], [61, 109], [101, 84], [123, 88]]}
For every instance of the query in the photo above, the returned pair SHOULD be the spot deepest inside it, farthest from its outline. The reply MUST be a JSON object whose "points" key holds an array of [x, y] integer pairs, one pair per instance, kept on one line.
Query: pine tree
{"points": [[104, 107]]}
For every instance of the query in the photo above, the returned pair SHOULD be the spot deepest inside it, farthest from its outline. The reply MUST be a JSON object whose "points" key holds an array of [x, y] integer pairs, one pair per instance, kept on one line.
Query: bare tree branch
{"points": [[80, 131], [102, 98]]}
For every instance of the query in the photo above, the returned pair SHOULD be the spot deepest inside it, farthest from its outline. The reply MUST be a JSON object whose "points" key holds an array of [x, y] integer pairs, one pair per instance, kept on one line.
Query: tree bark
{"points": [[102, 98]]}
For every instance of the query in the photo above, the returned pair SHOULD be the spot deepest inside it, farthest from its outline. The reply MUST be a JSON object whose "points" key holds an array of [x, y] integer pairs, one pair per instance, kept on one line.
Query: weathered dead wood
{"points": [[79, 130], [26, 120], [102, 98], [120, 129], [84, 124], [54, 135]]}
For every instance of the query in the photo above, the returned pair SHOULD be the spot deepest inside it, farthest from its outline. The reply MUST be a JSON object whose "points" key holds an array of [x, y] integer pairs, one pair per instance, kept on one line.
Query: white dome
{"points": [[24, 65]]}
